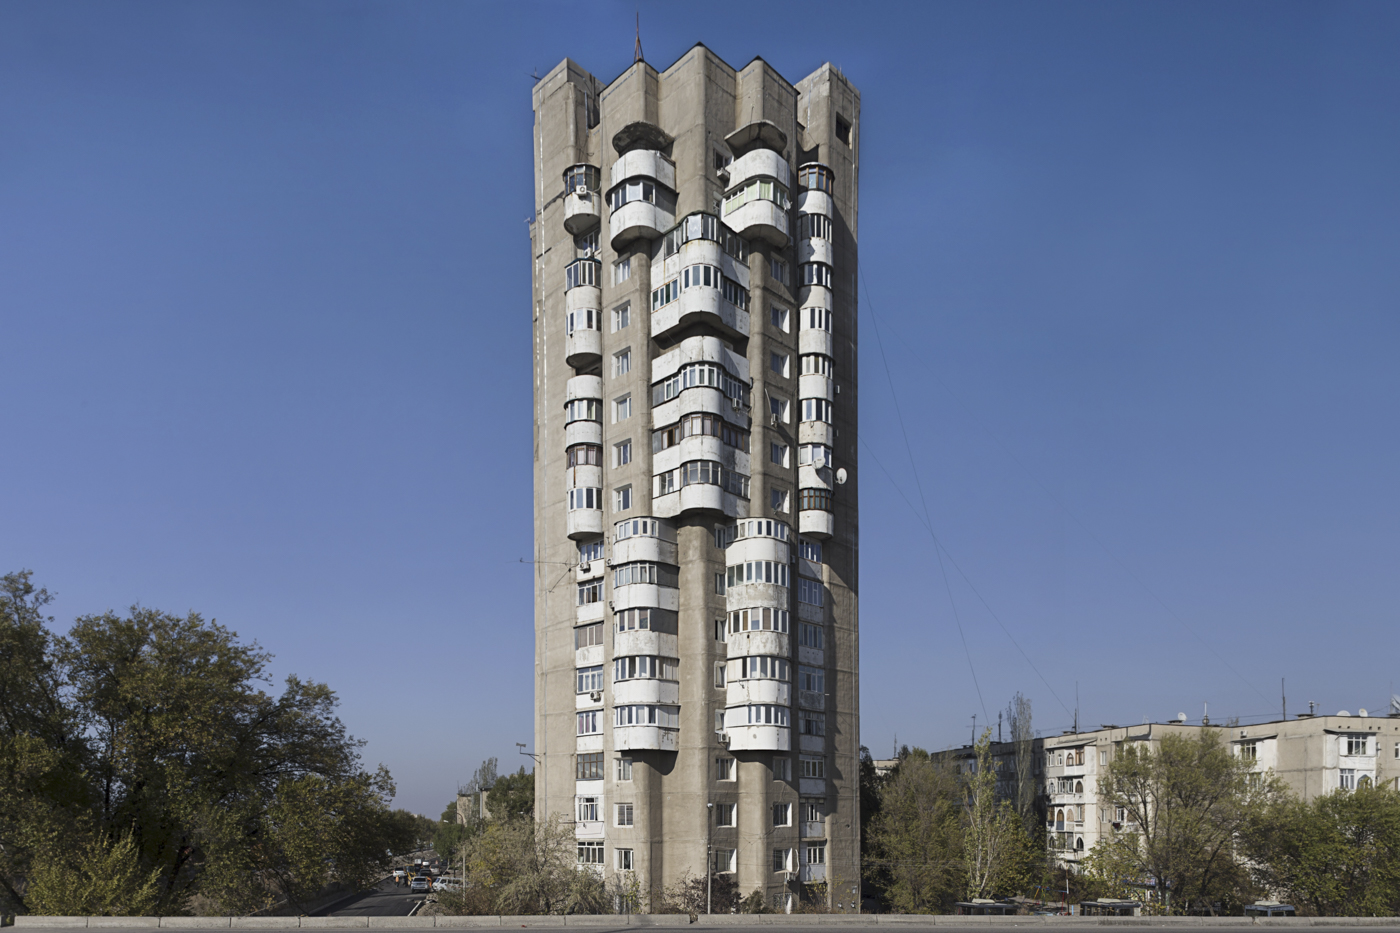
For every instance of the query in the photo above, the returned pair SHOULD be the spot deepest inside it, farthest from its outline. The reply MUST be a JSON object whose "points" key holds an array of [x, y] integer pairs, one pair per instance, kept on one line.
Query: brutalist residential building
{"points": [[696, 515]]}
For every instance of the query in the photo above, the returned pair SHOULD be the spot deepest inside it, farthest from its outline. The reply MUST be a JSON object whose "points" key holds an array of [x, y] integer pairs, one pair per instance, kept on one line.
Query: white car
{"points": [[447, 884]]}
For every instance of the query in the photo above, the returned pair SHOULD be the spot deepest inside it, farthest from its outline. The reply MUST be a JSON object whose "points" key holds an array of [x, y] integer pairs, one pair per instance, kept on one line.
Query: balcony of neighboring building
{"points": [[746, 735], [582, 198], [583, 335], [639, 690], [758, 642], [757, 688]]}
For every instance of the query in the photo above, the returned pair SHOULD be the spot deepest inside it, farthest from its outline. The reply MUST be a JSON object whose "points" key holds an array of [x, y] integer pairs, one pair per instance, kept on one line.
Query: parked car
{"points": [[421, 883], [447, 883]]}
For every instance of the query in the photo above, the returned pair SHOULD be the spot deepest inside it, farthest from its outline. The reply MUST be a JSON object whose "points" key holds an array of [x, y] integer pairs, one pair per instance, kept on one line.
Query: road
{"points": [[382, 900]]}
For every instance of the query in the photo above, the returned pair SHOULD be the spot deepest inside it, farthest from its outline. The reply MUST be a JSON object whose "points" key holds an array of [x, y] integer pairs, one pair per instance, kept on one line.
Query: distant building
{"points": [[1313, 755]]}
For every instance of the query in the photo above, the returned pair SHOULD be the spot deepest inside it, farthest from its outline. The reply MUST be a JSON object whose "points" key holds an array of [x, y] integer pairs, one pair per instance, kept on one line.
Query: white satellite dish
{"points": [[1180, 717], [1395, 704], [1361, 712], [841, 476], [1342, 712]]}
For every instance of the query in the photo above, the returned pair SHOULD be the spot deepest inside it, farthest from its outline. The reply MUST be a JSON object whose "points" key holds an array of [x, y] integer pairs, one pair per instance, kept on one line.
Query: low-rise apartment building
{"points": [[1313, 755]]}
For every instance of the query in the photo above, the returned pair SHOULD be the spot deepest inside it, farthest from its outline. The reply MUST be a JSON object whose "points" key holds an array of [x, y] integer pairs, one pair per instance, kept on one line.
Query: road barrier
{"points": [[614, 921]]}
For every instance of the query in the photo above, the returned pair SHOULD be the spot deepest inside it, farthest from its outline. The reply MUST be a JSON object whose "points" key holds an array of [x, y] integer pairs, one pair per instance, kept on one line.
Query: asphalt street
{"points": [[382, 900]]}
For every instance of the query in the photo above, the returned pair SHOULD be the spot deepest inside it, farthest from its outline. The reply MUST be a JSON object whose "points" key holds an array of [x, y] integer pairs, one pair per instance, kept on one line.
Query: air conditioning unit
{"points": [[773, 420], [735, 403], [596, 696], [583, 567], [723, 738]]}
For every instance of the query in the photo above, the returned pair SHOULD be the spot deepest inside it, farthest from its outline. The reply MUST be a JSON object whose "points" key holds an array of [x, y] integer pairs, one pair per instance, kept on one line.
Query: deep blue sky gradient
{"points": [[264, 288]]}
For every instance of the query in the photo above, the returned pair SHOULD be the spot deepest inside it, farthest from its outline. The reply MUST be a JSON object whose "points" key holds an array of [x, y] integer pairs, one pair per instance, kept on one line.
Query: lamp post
{"points": [[709, 851]]}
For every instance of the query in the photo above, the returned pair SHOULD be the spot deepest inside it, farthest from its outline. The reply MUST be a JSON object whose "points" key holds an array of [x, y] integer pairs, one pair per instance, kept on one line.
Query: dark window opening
{"points": [[843, 129]]}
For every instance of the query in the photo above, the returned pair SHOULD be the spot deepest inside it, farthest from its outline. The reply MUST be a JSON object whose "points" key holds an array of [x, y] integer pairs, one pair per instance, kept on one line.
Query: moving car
{"points": [[421, 883]]}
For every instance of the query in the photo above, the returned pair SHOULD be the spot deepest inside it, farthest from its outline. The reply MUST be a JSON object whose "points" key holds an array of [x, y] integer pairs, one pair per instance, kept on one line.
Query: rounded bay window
{"points": [[582, 197], [642, 199]]}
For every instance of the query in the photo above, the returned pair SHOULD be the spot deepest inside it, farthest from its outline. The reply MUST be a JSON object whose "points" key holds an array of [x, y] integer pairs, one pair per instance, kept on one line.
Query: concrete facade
{"points": [[696, 512]]}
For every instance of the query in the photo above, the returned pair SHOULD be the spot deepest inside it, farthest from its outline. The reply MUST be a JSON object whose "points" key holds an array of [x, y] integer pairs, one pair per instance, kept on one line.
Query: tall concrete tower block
{"points": [[697, 659]]}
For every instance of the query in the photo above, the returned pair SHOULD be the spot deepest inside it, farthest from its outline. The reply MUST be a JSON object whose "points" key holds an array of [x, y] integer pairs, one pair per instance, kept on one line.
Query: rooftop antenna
{"points": [[974, 728], [1205, 718], [637, 50], [1283, 692], [998, 727]]}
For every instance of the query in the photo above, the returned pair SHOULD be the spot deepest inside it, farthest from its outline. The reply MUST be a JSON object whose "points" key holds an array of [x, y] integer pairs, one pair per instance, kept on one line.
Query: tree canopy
{"points": [[144, 766]]}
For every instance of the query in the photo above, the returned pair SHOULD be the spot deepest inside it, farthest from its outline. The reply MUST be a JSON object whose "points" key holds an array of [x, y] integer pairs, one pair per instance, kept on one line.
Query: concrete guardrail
{"points": [[670, 920]]}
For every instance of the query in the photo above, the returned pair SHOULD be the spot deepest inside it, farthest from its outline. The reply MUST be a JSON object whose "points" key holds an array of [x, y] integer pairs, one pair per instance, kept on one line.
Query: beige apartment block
{"points": [[1313, 755], [696, 513]]}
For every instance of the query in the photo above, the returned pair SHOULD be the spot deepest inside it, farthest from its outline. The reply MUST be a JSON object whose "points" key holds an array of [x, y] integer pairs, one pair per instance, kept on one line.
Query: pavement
{"points": [[383, 900]]}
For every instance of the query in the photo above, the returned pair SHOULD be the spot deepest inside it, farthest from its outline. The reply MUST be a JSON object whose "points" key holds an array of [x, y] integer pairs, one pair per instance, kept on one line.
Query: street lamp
{"points": [[709, 851]]}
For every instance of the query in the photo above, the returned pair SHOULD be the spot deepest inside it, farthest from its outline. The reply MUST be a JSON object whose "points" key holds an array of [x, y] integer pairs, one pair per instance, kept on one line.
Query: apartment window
{"points": [[782, 769], [778, 408], [724, 814], [1357, 744], [583, 409], [585, 455], [719, 591], [764, 189], [816, 273], [819, 455], [590, 853], [622, 271], [590, 592], [1120, 815], [622, 408], [782, 860], [778, 270], [719, 720], [585, 497], [778, 453], [587, 809], [589, 723], [644, 667], [720, 669], [725, 861], [590, 679], [724, 769], [809, 550], [1249, 751], [624, 767], [1347, 780], [635, 189], [622, 498], [763, 714], [582, 319], [814, 853], [843, 130], [758, 620], [1103, 757], [816, 499], [1397, 750], [779, 363], [624, 859], [622, 362], [586, 245], [810, 592], [763, 668], [778, 499], [624, 814], [721, 161], [589, 551], [813, 227], [581, 272], [586, 636], [631, 619], [700, 472], [588, 766], [621, 317], [813, 767], [816, 177], [816, 364], [758, 571], [812, 809], [779, 318], [817, 319], [813, 723], [622, 453], [809, 635], [782, 814], [811, 678], [719, 630], [816, 409], [646, 572], [701, 424]]}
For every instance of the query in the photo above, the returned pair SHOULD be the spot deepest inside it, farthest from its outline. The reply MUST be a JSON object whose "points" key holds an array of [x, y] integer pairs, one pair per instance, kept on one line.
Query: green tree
{"points": [[519, 866], [149, 737], [1186, 802], [916, 840], [993, 828], [98, 879], [1338, 855], [512, 796]]}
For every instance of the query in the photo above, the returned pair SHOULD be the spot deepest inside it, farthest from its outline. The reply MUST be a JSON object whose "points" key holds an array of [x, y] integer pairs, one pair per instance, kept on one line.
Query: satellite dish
{"points": [[1342, 712], [841, 476], [1361, 712], [1180, 717], [1394, 704]]}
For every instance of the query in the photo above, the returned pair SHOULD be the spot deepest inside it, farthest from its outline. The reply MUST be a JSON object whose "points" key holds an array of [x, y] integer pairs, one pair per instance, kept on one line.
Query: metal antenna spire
{"points": [[637, 51]]}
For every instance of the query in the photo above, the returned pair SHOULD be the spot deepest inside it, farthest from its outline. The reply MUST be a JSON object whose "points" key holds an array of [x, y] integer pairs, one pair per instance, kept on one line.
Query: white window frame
{"points": [[622, 362], [622, 498], [727, 811], [624, 769], [782, 814], [622, 270], [624, 814], [622, 453], [621, 317], [781, 318], [625, 860], [622, 408]]}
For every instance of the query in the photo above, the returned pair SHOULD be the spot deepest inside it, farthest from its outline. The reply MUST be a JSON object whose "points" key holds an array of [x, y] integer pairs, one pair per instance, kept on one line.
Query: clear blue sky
{"points": [[264, 287]]}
